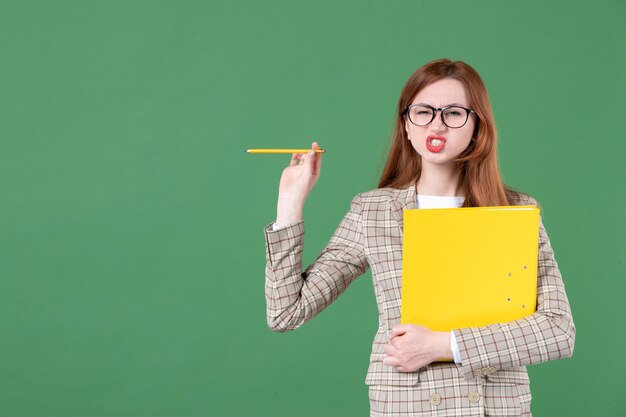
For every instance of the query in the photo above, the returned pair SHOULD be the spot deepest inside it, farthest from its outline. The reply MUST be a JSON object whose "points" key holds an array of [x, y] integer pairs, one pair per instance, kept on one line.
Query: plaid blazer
{"points": [[370, 236]]}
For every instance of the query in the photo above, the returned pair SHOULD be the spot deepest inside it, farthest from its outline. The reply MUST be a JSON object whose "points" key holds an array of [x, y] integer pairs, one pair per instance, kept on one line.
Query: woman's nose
{"points": [[437, 124]]}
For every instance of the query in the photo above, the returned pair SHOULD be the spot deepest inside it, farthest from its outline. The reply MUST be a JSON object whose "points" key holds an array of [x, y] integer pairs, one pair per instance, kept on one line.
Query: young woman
{"points": [[443, 155]]}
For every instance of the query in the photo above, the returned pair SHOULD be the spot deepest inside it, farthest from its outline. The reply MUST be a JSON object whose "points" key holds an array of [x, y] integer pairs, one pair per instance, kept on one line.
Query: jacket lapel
{"points": [[405, 200]]}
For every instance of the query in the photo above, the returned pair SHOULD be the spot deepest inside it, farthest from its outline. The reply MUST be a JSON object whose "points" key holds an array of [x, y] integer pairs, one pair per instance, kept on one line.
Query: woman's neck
{"points": [[439, 180]]}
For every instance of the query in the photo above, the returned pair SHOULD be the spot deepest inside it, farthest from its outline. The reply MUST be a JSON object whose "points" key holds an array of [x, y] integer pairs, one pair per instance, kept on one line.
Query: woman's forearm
{"points": [[288, 211]]}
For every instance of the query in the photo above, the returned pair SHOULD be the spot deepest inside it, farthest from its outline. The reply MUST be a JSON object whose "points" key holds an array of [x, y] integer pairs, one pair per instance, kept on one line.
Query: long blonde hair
{"points": [[478, 164]]}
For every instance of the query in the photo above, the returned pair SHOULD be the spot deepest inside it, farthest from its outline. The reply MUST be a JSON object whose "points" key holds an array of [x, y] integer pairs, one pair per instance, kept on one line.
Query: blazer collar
{"points": [[408, 197], [405, 200]]}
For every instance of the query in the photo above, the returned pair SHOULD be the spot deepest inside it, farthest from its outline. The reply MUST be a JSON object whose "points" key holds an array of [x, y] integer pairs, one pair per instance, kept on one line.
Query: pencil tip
{"points": [[248, 150]]}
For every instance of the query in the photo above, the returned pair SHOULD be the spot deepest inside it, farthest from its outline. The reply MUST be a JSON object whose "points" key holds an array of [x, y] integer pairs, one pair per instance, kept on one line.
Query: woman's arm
{"points": [[546, 335], [294, 296]]}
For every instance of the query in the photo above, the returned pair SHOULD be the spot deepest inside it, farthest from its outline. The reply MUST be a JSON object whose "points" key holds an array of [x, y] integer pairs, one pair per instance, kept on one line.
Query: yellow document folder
{"points": [[470, 266]]}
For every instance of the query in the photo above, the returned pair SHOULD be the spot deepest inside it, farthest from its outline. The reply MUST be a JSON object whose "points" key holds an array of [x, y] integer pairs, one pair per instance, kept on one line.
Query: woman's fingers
{"points": [[390, 349], [296, 159], [391, 361], [399, 330], [317, 163], [315, 159]]}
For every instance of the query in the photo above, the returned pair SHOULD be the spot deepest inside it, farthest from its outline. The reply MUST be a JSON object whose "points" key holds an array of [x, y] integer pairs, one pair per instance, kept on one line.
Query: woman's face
{"points": [[437, 143]]}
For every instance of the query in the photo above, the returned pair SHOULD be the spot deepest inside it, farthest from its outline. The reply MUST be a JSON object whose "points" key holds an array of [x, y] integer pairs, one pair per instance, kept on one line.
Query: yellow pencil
{"points": [[284, 150]]}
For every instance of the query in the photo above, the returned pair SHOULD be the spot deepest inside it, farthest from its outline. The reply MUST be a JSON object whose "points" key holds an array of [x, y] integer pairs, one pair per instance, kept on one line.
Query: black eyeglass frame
{"points": [[434, 109]]}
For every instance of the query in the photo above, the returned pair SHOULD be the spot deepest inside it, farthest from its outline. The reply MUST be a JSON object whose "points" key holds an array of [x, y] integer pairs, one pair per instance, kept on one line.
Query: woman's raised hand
{"points": [[296, 182]]}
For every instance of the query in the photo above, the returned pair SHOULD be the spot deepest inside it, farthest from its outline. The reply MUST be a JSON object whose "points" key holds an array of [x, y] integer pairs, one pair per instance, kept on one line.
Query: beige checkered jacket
{"points": [[492, 376]]}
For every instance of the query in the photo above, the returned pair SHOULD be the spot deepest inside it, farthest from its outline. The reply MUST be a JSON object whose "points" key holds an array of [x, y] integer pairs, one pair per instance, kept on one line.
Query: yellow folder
{"points": [[470, 266]]}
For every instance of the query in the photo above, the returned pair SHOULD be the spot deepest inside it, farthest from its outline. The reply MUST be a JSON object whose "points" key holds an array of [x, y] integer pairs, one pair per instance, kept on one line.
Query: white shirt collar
{"points": [[439, 201]]}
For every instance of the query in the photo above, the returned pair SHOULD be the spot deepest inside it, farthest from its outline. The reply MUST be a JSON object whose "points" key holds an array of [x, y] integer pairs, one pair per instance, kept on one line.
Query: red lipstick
{"points": [[435, 147]]}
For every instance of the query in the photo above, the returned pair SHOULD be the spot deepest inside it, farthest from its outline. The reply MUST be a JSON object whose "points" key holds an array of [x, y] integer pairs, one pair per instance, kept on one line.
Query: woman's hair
{"points": [[478, 164]]}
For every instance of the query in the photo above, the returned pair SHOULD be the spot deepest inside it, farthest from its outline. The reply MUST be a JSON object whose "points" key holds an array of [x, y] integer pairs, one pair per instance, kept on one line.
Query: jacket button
{"points": [[478, 372], [492, 369], [435, 399], [474, 397]]}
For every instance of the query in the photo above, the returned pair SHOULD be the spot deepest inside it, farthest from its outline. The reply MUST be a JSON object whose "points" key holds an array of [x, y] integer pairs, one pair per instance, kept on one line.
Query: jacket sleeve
{"points": [[546, 335], [294, 296]]}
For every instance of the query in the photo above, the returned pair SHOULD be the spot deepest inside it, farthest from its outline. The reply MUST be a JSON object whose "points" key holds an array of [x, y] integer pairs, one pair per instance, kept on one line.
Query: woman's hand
{"points": [[296, 183], [412, 347]]}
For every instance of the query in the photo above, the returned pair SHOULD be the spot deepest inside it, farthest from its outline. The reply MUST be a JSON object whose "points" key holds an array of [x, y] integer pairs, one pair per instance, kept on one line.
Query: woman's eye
{"points": [[423, 112]]}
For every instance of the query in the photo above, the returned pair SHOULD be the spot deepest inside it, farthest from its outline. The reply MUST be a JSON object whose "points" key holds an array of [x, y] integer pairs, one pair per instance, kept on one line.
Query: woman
{"points": [[443, 155]]}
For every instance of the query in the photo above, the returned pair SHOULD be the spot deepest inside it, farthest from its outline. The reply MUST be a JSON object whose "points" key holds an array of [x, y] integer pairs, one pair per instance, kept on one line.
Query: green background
{"points": [[131, 220]]}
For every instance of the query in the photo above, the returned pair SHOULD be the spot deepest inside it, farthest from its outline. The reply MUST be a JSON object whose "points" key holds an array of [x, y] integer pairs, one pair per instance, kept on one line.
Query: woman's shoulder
{"points": [[518, 198], [381, 194]]}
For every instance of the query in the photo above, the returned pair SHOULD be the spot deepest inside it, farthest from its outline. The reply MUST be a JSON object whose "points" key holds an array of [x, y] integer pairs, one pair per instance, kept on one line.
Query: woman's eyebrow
{"points": [[447, 105]]}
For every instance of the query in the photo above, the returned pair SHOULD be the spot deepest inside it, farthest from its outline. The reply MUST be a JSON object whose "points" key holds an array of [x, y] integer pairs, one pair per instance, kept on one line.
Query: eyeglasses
{"points": [[451, 116]]}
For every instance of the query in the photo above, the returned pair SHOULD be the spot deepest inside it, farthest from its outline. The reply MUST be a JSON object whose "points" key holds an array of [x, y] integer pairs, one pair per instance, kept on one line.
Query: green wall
{"points": [[131, 220]]}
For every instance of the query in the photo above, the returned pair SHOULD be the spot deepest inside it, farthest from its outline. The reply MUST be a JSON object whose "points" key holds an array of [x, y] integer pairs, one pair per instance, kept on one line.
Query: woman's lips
{"points": [[438, 145]]}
